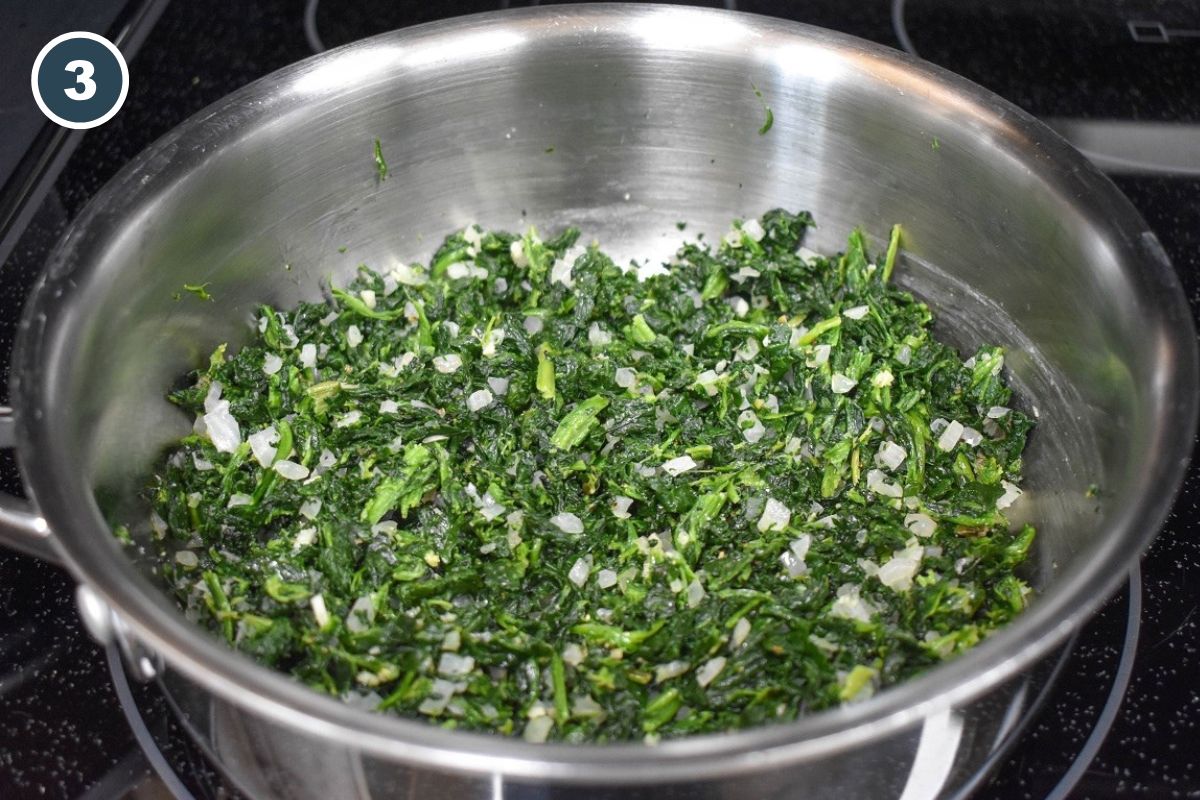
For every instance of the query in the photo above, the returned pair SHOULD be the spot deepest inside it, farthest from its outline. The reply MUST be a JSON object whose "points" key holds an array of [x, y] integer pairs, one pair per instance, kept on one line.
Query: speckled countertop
{"points": [[61, 731]]}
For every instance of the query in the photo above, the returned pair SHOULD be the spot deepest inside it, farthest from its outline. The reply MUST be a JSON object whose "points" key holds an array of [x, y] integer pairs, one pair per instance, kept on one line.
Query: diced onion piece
{"points": [[348, 419], [597, 336], [625, 377], [709, 671], [858, 312], [187, 559], [793, 557], [754, 431], [474, 238], [410, 275], [747, 352], [877, 482], [447, 364], [361, 615], [775, 516], [586, 707], [489, 508], [499, 386], [567, 522], [840, 384], [480, 400], [1011, 493], [561, 273], [491, 340], [678, 466], [222, 428], [439, 697], [996, 412], [516, 250], [272, 363], [454, 664], [304, 538], [890, 455], [695, 593], [291, 470], [580, 570], [800, 545], [537, 730], [320, 613], [971, 437], [620, 506], [821, 355], [262, 445], [741, 630], [950, 436], [754, 229], [920, 524], [389, 407], [650, 269], [851, 605], [573, 654], [897, 573], [308, 356], [368, 298], [606, 579], [669, 670], [707, 380], [793, 566], [869, 567], [354, 336], [310, 508]]}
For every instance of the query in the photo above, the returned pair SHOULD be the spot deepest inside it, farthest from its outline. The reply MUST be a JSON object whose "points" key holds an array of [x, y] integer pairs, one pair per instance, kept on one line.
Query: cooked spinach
{"points": [[768, 114], [530, 491], [381, 166]]}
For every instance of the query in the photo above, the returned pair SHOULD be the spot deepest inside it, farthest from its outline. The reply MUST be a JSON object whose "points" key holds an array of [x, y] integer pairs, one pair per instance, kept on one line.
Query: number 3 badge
{"points": [[80, 80]]}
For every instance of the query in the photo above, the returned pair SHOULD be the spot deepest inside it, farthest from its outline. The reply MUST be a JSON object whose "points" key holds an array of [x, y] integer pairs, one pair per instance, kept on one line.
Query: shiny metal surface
{"points": [[1009, 234], [21, 528]]}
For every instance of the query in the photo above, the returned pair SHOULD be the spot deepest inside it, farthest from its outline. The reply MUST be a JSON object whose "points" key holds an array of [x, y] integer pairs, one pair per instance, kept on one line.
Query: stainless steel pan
{"points": [[1009, 233]]}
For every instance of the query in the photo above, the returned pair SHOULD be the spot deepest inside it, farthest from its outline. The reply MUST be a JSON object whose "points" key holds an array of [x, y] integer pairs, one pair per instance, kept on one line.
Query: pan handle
{"points": [[21, 527]]}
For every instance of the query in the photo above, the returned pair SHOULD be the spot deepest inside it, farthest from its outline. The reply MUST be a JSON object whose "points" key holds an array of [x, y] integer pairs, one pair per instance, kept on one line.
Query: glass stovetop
{"points": [[1119, 78]]}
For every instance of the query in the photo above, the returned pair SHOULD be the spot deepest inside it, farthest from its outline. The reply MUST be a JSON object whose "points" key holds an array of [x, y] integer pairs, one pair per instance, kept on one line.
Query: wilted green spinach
{"points": [[529, 491]]}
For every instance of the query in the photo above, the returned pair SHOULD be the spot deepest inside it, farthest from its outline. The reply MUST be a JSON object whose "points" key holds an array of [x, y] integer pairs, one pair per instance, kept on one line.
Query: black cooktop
{"points": [[1121, 78]]}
